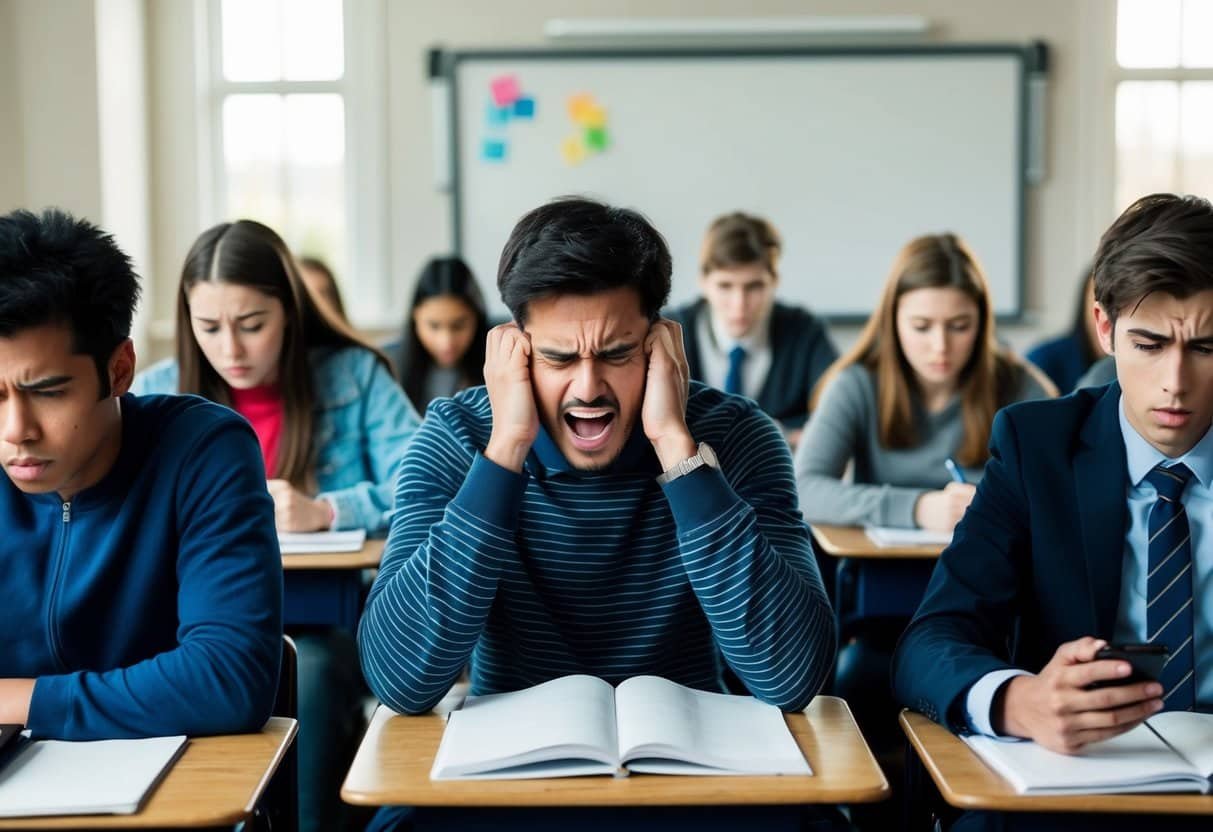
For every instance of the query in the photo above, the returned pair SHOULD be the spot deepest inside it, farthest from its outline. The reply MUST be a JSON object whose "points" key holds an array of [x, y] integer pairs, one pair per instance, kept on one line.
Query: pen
{"points": [[957, 474]]}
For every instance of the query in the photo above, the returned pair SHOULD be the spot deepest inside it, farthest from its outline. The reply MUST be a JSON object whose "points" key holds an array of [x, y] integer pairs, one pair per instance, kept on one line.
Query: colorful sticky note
{"points": [[580, 106], [572, 150], [596, 139], [505, 90], [524, 107], [593, 116], [496, 116], [492, 150]]}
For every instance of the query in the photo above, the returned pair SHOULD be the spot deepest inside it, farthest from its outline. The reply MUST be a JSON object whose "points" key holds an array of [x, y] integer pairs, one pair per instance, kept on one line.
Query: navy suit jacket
{"points": [[801, 350], [1035, 562]]}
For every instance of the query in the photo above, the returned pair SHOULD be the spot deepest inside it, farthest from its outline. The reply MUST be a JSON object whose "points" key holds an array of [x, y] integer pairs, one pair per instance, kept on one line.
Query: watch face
{"points": [[709, 456]]}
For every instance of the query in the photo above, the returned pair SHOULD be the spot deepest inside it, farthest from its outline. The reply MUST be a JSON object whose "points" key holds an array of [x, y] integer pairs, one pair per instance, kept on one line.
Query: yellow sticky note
{"points": [[593, 116], [572, 150], [579, 107]]}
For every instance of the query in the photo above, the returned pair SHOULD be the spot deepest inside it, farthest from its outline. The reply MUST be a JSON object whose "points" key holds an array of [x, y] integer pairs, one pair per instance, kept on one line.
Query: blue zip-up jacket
{"points": [[151, 603], [363, 423]]}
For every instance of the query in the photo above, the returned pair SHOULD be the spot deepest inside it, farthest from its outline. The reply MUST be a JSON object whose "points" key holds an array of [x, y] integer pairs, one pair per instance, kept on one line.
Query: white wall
{"points": [[1065, 212]]}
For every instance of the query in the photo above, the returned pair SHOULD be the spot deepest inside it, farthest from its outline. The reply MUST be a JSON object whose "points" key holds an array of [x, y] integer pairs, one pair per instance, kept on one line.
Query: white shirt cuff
{"points": [[979, 702]]}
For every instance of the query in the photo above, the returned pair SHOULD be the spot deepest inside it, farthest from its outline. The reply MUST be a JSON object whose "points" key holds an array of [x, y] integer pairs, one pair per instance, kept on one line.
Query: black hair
{"points": [[582, 247], [442, 277], [56, 269], [1161, 243]]}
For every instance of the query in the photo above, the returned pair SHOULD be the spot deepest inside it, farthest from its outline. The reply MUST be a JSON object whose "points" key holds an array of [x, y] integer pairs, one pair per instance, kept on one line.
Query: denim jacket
{"points": [[363, 423]]}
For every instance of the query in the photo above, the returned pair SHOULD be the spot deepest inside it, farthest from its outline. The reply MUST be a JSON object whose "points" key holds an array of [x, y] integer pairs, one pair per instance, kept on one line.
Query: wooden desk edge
{"points": [[1011, 801], [821, 535], [877, 791]]}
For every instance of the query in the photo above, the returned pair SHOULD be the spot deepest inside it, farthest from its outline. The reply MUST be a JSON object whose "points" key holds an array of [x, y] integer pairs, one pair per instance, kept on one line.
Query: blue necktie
{"points": [[732, 379], [1169, 613]]}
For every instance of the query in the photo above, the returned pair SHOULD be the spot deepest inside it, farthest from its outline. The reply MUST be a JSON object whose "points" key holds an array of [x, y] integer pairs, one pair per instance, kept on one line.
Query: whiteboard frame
{"points": [[1030, 61]]}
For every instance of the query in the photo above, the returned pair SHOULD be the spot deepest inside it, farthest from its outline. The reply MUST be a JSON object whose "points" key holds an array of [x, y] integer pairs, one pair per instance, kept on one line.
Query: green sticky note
{"points": [[596, 138]]}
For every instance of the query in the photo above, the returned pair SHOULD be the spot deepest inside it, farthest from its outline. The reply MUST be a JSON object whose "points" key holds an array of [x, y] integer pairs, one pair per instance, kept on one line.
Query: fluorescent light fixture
{"points": [[569, 28]]}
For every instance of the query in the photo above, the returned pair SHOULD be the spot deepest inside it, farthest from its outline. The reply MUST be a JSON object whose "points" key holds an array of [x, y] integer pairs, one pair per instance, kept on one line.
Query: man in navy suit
{"points": [[1093, 524]]}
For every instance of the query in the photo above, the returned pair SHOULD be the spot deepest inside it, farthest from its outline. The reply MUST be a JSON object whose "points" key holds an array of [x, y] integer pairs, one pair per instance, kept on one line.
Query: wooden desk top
{"points": [[216, 782], [853, 542], [367, 558], [967, 783], [393, 764]]}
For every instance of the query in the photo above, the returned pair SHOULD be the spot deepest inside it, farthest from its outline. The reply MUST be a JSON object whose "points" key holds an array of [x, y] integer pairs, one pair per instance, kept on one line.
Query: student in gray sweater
{"points": [[921, 385]]}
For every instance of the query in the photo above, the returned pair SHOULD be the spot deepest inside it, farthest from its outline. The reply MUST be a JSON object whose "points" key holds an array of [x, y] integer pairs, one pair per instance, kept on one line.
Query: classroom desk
{"points": [[853, 542], [392, 767], [218, 781], [325, 588], [967, 783]]}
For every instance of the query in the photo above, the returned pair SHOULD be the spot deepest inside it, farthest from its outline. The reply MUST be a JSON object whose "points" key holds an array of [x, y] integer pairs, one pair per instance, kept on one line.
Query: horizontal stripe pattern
{"points": [[534, 577]]}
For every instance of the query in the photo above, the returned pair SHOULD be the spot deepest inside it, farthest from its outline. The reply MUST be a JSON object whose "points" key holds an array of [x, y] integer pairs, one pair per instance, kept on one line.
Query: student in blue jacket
{"points": [[332, 423], [140, 585]]}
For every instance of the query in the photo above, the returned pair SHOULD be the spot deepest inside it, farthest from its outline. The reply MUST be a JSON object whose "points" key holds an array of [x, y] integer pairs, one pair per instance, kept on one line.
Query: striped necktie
{"points": [[1169, 608], [732, 379]]}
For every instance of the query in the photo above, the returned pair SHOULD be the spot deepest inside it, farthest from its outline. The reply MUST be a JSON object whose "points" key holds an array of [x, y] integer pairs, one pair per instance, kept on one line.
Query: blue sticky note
{"points": [[496, 116], [524, 107], [492, 150]]}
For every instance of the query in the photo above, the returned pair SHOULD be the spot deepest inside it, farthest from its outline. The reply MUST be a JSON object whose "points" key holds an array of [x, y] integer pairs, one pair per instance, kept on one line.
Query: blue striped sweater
{"points": [[555, 571]]}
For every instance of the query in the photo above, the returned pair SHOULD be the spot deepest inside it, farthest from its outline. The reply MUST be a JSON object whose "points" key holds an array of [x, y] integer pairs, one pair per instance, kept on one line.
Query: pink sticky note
{"points": [[505, 90]]}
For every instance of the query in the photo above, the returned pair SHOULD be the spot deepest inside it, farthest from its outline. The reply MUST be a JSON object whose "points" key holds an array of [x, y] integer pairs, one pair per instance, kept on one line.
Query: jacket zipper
{"points": [[52, 624]]}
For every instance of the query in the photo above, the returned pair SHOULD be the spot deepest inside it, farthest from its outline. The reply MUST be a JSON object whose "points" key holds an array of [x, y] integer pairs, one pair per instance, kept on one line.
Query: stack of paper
{"points": [[107, 777], [887, 537], [307, 543]]}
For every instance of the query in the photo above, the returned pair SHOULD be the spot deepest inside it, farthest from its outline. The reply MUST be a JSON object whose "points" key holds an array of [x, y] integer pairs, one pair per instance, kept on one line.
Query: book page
{"points": [[315, 543], [1135, 761], [502, 735], [54, 777], [1190, 734], [666, 728], [889, 536]]}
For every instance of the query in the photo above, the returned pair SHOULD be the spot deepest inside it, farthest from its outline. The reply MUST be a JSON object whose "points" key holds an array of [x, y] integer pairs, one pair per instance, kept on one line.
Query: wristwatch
{"points": [[704, 456]]}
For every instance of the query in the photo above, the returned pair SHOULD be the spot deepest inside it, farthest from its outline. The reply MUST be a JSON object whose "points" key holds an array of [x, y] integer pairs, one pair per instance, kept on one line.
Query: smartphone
{"points": [[1147, 661]]}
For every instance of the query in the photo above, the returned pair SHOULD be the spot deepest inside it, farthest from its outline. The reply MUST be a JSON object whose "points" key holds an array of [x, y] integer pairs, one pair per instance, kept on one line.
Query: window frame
{"points": [[366, 289]]}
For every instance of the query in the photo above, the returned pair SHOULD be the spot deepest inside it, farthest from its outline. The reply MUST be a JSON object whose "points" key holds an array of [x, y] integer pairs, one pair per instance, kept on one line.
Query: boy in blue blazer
{"points": [[1093, 524], [140, 580]]}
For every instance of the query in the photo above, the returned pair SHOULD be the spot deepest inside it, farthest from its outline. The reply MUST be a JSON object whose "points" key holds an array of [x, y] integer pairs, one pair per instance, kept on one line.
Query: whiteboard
{"points": [[850, 153]]}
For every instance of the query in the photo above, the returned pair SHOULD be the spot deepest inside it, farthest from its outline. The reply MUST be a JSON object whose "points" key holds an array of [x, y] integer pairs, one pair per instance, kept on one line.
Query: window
{"points": [[285, 93], [1164, 98]]}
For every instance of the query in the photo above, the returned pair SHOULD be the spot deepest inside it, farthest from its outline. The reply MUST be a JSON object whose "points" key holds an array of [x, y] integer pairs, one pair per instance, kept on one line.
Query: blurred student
{"points": [[921, 386], [140, 582], [738, 338], [1066, 358], [322, 283], [332, 424], [441, 350]]}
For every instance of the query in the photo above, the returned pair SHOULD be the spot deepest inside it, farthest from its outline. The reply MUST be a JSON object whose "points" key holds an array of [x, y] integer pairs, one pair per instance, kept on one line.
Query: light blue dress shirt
{"points": [[1142, 457]]}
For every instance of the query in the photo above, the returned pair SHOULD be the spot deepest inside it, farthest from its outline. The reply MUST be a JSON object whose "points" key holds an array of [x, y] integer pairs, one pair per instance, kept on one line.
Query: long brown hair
{"points": [[989, 377], [247, 253]]}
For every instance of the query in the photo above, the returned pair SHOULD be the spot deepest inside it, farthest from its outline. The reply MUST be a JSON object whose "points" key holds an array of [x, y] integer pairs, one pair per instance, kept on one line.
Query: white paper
{"points": [[53, 777], [887, 537], [308, 543], [1136, 761]]}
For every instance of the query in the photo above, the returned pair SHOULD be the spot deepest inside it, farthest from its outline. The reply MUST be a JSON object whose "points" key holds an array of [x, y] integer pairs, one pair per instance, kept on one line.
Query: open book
{"points": [[580, 725], [889, 536], [310, 543], [1170, 752], [106, 777]]}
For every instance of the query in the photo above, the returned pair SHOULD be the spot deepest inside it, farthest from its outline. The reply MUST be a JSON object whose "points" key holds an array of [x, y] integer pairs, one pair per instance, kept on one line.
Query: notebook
{"points": [[1170, 752], [105, 777], [580, 725], [887, 536], [307, 543]]}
